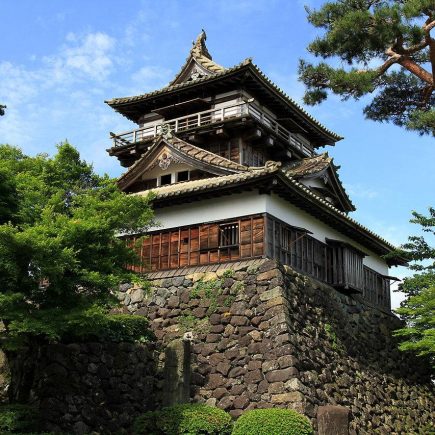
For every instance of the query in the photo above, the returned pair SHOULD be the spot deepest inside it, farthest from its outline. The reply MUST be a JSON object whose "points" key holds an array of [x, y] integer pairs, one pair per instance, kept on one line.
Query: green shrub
{"points": [[191, 419], [18, 418], [146, 424], [274, 421]]}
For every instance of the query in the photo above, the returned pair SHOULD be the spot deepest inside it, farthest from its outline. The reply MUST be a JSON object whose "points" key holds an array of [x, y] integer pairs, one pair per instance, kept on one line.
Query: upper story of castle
{"points": [[218, 121], [233, 166]]}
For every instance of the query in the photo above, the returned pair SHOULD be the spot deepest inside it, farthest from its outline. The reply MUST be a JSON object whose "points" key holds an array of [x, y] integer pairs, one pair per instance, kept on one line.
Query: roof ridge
{"points": [[336, 210], [242, 167], [298, 106], [199, 53], [335, 169]]}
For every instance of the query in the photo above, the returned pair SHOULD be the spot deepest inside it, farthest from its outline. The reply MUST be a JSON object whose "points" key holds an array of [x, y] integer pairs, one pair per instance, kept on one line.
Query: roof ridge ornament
{"points": [[199, 48], [272, 165], [166, 131]]}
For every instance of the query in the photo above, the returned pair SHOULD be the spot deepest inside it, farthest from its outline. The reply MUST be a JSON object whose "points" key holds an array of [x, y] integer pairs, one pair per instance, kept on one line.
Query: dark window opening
{"points": [[149, 184], [229, 235], [183, 176], [221, 149], [165, 179]]}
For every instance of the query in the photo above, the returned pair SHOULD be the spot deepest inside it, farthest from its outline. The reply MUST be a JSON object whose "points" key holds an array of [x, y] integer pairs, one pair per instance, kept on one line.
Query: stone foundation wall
{"points": [[82, 388], [258, 335], [241, 336]]}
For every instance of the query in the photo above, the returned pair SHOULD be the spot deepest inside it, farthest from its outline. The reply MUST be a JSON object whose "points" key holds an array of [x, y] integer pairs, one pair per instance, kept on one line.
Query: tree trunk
{"points": [[5, 377], [416, 69], [22, 364]]}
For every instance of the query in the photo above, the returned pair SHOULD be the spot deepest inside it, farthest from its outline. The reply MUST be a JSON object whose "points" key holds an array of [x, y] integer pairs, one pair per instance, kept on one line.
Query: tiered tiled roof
{"points": [[284, 184], [187, 152], [200, 54], [114, 102], [320, 164]]}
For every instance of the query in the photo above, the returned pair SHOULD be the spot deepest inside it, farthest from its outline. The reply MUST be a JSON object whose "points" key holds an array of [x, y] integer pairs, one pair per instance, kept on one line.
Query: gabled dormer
{"points": [[171, 160], [321, 176]]}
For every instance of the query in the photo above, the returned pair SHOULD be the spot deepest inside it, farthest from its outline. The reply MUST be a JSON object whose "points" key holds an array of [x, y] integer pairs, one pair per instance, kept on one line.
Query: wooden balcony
{"points": [[210, 117]]}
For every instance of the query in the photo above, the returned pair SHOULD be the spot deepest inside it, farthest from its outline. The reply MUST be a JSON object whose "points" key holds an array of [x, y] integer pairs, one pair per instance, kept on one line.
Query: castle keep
{"points": [[233, 164], [264, 292]]}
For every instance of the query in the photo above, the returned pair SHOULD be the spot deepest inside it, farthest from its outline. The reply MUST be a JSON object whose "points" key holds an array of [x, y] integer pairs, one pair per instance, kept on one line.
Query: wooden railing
{"points": [[208, 117]]}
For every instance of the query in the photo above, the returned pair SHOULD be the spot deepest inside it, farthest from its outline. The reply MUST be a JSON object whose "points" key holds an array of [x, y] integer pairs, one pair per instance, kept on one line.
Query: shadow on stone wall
{"points": [[94, 387]]}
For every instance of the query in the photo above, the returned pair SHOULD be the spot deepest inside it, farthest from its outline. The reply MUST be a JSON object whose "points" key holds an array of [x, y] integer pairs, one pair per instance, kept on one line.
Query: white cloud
{"points": [[18, 84], [134, 31], [148, 78], [87, 56], [361, 191], [47, 90]]}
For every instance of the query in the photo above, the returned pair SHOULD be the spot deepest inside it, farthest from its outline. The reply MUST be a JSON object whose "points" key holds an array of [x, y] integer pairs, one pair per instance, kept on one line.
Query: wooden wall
{"points": [[201, 244], [336, 264], [261, 236]]}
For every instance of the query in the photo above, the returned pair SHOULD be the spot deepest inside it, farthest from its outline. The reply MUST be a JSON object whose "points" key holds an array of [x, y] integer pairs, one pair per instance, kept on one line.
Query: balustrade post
{"points": [[134, 136], [244, 109], [155, 130], [199, 120]]}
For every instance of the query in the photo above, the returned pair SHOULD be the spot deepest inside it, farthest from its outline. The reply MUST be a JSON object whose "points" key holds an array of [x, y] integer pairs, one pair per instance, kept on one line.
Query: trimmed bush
{"points": [[146, 424], [274, 421], [191, 419], [18, 419]]}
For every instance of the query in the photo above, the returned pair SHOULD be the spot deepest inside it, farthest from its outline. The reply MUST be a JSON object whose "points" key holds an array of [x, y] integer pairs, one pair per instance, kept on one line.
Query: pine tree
{"points": [[418, 308], [382, 47]]}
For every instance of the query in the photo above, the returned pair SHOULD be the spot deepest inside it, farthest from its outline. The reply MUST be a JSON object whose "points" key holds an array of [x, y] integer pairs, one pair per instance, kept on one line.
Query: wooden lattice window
{"points": [[229, 235]]}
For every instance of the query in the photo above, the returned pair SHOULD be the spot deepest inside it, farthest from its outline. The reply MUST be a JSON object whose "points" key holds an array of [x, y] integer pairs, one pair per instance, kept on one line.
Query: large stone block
{"points": [[333, 420], [281, 375], [293, 396], [137, 295], [268, 275]]}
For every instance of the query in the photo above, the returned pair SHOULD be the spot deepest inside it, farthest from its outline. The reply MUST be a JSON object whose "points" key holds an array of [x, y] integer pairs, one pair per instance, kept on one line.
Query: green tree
{"points": [[382, 47], [61, 255], [418, 309]]}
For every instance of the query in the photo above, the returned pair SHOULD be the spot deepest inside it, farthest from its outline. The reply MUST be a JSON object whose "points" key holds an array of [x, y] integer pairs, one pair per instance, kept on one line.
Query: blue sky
{"points": [[59, 61]]}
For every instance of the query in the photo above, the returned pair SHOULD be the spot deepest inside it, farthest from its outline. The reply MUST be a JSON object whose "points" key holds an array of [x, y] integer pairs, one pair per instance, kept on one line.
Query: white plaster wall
{"points": [[226, 207], [226, 103], [250, 203], [287, 212], [173, 168]]}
